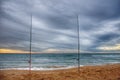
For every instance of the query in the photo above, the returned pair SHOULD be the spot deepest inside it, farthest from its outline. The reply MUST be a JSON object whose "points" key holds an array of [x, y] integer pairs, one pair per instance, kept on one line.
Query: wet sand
{"points": [[103, 72]]}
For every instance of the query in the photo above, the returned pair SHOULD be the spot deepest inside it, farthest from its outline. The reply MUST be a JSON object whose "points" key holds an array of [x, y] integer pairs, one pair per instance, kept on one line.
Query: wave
{"points": [[56, 67], [42, 68]]}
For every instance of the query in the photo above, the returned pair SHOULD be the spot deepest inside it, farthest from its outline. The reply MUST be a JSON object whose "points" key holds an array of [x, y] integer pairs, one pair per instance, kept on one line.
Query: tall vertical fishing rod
{"points": [[78, 36], [30, 48]]}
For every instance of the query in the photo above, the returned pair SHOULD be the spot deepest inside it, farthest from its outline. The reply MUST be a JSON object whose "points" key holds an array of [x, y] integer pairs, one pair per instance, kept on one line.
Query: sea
{"points": [[52, 61]]}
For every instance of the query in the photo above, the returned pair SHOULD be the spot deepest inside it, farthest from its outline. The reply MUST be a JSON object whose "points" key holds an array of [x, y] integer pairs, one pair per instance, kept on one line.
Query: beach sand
{"points": [[103, 72]]}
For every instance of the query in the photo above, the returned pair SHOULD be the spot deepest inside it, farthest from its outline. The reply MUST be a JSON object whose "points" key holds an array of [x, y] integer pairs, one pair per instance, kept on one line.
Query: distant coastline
{"points": [[66, 53]]}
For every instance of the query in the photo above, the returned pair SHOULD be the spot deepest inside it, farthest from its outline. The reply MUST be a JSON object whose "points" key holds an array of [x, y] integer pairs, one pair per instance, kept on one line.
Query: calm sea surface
{"points": [[55, 61]]}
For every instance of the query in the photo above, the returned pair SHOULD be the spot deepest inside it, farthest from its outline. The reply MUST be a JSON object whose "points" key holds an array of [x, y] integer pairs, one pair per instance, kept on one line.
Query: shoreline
{"points": [[42, 69], [52, 68], [99, 72]]}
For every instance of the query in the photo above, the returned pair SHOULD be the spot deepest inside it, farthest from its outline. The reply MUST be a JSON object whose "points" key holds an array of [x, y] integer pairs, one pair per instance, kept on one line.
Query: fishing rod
{"points": [[30, 48], [78, 37]]}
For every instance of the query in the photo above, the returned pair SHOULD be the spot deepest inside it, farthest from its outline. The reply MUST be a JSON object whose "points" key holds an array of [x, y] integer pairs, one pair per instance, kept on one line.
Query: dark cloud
{"points": [[104, 10], [14, 30], [108, 37], [55, 24]]}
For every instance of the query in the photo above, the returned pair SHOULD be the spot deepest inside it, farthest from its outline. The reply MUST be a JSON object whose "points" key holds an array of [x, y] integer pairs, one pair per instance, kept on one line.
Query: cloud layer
{"points": [[55, 24]]}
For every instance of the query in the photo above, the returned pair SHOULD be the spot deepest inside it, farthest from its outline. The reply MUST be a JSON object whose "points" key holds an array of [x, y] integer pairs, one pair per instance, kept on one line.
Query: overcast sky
{"points": [[55, 25]]}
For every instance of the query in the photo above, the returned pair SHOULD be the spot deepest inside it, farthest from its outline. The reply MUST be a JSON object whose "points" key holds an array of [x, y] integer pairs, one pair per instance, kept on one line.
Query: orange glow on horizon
{"points": [[12, 51], [110, 48]]}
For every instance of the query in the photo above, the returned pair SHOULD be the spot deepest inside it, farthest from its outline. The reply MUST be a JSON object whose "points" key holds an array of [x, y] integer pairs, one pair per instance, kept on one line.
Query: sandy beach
{"points": [[102, 72]]}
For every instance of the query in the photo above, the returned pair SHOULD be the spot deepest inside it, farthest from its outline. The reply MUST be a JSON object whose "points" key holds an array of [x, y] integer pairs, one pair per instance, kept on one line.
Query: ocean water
{"points": [[55, 61]]}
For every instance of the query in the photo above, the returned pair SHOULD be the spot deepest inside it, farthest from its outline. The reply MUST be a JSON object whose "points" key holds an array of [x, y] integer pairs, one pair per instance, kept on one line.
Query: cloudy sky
{"points": [[55, 25]]}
